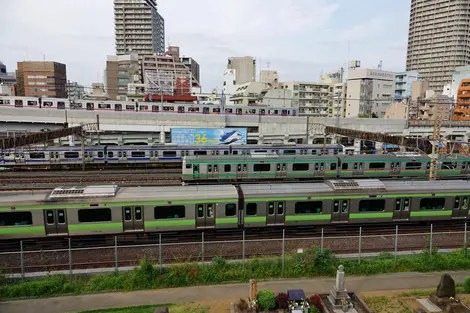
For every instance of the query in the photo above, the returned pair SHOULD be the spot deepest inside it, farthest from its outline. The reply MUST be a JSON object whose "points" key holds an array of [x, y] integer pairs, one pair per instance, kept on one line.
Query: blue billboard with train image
{"points": [[209, 136]]}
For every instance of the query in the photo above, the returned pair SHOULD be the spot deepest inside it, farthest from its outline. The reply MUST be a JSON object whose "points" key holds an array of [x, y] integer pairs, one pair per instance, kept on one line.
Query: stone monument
{"points": [[445, 290], [338, 296], [253, 289]]}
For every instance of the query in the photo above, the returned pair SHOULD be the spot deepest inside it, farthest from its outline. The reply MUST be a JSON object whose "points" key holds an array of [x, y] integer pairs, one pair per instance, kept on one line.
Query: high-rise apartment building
{"points": [[139, 27], [438, 39], [245, 69], [41, 79]]}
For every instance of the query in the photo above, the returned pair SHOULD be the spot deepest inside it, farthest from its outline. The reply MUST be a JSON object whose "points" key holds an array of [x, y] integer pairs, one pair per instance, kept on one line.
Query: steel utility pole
{"points": [[307, 130], [436, 137]]}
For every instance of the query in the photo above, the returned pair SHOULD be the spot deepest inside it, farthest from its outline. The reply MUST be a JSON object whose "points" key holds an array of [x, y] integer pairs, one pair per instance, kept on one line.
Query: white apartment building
{"points": [[139, 27], [369, 92], [245, 69], [249, 93], [338, 105], [312, 98], [438, 39], [230, 85]]}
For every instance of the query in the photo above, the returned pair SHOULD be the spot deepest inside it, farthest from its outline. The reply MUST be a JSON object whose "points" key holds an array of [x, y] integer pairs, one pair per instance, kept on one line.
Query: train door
{"points": [[281, 170], [460, 208], [242, 171], [358, 168], [55, 222], [205, 215], [394, 168], [212, 171], [19, 158], [340, 211], [132, 218], [319, 169], [401, 210], [275, 213], [196, 170]]}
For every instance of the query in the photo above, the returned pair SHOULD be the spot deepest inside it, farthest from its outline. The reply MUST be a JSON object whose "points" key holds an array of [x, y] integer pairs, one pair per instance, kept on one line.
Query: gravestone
{"points": [[446, 287], [338, 293], [253, 289]]}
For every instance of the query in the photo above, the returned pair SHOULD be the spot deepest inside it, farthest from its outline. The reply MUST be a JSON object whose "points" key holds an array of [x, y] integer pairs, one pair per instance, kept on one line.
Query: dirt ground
{"points": [[219, 306]]}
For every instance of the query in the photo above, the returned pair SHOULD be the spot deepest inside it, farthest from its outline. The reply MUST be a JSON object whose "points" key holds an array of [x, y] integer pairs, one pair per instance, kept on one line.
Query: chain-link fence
{"points": [[85, 255]]}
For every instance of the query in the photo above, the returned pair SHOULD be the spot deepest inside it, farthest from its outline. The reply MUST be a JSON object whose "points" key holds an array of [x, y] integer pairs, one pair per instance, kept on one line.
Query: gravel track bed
{"points": [[192, 251]]}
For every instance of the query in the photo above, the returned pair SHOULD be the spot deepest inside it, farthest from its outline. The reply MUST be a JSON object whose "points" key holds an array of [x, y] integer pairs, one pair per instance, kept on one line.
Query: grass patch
{"points": [[181, 308], [385, 304], [311, 263]]}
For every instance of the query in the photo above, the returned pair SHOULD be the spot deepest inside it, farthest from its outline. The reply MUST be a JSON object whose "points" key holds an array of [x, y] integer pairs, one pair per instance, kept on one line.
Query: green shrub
{"points": [[466, 285], [266, 299]]}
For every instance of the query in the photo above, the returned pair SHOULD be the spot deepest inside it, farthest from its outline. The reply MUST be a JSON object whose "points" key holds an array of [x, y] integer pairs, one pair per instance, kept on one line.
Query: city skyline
{"points": [[298, 38]]}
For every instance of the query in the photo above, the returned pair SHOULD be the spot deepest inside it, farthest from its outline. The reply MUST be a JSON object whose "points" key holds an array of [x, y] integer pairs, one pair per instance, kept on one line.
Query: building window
{"points": [[123, 80], [122, 72]]}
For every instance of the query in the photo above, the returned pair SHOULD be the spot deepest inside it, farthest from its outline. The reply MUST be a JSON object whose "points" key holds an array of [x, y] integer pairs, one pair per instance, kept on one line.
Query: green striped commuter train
{"points": [[109, 209], [264, 166]]}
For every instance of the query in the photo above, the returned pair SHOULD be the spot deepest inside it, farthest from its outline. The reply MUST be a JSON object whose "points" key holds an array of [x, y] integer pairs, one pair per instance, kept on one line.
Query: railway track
{"points": [[90, 252], [50, 180]]}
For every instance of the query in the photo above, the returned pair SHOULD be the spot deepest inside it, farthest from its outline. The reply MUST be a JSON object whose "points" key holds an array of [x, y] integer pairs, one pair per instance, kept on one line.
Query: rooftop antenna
{"points": [[268, 64]]}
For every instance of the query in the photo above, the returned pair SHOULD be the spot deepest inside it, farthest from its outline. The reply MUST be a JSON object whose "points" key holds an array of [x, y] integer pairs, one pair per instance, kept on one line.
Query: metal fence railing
{"points": [[73, 256]]}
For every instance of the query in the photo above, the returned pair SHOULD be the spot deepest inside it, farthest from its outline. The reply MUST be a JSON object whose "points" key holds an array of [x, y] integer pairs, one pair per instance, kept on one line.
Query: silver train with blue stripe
{"points": [[69, 157]]}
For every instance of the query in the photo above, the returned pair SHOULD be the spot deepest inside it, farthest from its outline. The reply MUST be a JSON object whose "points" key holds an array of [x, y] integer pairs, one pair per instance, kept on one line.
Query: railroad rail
{"points": [[128, 250]]}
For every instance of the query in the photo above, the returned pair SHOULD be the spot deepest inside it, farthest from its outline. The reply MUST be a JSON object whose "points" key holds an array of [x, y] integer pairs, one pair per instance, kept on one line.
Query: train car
{"points": [[108, 209], [259, 167]]}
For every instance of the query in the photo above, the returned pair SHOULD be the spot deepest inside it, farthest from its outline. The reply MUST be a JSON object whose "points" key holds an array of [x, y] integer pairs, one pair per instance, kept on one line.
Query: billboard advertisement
{"points": [[208, 136]]}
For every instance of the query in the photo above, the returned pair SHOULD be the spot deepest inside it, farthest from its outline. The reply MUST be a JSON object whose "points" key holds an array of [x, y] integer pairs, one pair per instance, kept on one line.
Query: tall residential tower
{"points": [[438, 39], [139, 27]]}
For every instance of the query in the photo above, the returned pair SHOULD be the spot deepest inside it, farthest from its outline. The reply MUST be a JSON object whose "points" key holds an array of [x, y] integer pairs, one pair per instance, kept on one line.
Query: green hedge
{"points": [[311, 263]]}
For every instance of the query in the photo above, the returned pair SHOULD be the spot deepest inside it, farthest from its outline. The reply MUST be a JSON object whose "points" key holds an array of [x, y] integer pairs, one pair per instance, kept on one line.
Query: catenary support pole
{"points": [[22, 260]]}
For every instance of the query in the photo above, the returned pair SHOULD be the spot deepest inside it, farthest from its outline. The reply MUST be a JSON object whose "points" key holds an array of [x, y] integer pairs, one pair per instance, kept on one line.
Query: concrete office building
{"points": [[438, 39], [41, 79], [230, 85], [369, 92], [312, 98], [245, 68], [139, 27], [121, 71]]}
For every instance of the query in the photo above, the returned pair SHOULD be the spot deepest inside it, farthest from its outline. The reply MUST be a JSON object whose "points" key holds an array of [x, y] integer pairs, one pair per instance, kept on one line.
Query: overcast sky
{"points": [[300, 38]]}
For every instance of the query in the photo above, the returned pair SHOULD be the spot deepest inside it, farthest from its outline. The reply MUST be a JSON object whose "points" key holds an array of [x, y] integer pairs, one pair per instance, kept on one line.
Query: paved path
{"points": [[233, 291]]}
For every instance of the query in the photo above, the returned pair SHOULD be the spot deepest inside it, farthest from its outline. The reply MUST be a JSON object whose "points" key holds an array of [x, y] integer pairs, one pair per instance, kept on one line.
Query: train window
{"points": [[345, 206], [289, 152], [94, 215], [314, 152], [205, 110], [377, 165], [110, 154], [32, 103], [104, 105], [251, 209], [465, 203], [57, 155], [413, 165], [200, 210], [262, 112], [118, 107], [239, 167], [130, 107], [127, 214], [60, 105], [209, 168], [448, 166], [398, 205], [235, 152], [360, 166], [188, 166], [4, 101], [230, 209], [155, 108], [138, 154], [244, 167], [180, 109], [300, 167], [345, 166], [119, 154], [456, 203], [216, 169], [16, 219], [278, 167], [333, 166], [169, 212], [270, 208], [239, 111], [216, 110], [316, 167], [37, 155], [280, 208], [124, 154], [406, 204], [428, 165], [169, 154], [90, 106], [49, 217], [335, 151], [225, 152], [61, 216], [262, 167], [200, 152], [47, 104], [138, 213], [374, 205], [70, 155], [336, 206], [309, 207], [19, 103], [355, 166], [432, 204], [227, 168], [228, 110], [100, 154]]}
